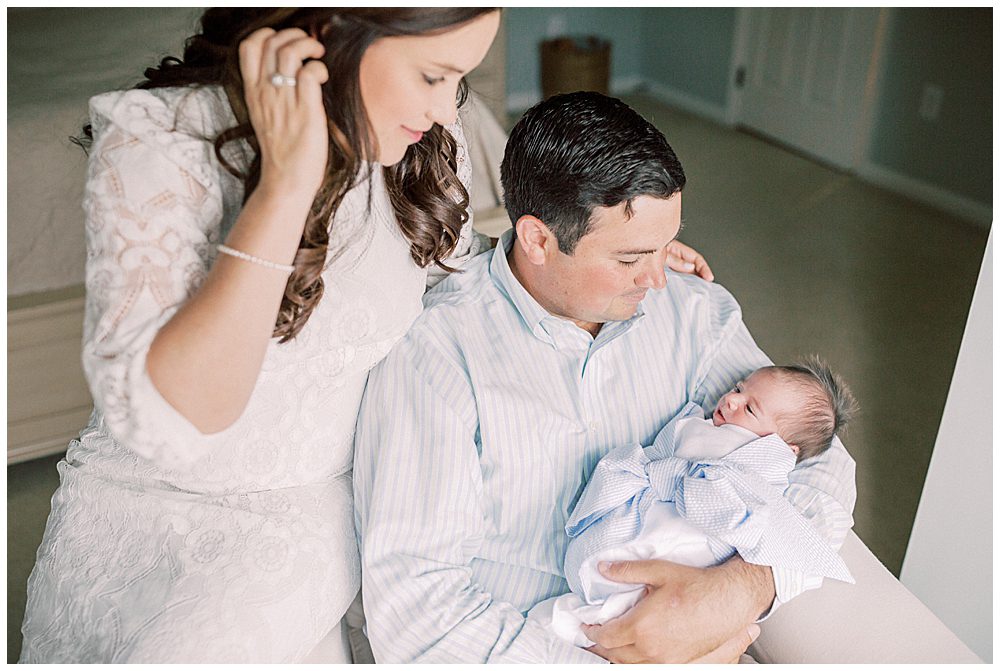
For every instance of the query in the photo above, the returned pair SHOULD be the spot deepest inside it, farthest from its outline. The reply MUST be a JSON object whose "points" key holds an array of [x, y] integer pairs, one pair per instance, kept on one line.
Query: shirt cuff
{"points": [[788, 584]]}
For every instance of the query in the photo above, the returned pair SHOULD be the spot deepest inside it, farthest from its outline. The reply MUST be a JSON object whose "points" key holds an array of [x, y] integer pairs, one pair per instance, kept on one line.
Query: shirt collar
{"points": [[533, 314]]}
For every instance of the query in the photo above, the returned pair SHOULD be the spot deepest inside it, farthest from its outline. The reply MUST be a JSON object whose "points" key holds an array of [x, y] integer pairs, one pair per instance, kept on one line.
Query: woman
{"points": [[293, 155]]}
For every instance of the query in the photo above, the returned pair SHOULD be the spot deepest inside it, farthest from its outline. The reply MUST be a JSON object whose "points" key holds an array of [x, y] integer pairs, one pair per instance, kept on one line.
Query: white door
{"points": [[805, 79]]}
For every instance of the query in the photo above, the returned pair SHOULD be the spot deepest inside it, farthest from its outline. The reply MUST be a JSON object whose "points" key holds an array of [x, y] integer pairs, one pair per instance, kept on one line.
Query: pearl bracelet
{"points": [[255, 259]]}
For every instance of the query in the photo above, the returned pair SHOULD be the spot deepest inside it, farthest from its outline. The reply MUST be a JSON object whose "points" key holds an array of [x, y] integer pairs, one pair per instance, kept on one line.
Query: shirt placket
{"points": [[596, 373]]}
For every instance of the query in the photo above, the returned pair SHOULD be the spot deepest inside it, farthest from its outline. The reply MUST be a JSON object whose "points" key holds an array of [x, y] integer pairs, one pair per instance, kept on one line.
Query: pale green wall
{"points": [[686, 49], [689, 50], [526, 28], [952, 48]]}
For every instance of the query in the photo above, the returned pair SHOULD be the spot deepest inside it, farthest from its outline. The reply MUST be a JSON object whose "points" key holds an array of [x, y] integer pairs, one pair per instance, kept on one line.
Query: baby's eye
{"points": [[628, 263], [750, 410]]}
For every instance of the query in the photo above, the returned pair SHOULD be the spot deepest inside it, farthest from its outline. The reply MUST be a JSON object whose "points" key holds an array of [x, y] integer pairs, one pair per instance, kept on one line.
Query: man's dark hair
{"points": [[573, 152]]}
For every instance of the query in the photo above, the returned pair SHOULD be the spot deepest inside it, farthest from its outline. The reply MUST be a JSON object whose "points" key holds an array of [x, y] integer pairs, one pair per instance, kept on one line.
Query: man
{"points": [[479, 431]]}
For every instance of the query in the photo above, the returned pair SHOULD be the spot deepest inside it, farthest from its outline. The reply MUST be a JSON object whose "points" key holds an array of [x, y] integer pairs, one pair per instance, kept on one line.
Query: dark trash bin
{"points": [[575, 63]]}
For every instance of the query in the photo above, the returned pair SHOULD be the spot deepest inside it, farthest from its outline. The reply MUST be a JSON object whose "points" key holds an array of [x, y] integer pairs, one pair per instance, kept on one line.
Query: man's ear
{"points": [[536, 240]]}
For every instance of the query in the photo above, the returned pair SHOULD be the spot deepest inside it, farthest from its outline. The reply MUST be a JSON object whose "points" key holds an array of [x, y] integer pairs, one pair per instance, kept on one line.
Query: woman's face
{"points": [[410, 83]]}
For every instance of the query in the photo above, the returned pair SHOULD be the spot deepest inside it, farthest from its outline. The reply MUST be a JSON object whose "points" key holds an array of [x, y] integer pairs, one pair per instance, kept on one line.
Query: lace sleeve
{"points": [[470, 243], [153, 217]]}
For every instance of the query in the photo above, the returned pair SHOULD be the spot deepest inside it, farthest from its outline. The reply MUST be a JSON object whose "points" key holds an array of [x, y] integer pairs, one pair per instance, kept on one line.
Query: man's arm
{"points": [[421, 518]]}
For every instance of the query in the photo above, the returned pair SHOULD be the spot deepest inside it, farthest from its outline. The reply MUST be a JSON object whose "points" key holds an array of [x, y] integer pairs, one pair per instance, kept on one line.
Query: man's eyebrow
{"points": [[634, 252], [640, 252], [452, 68]]}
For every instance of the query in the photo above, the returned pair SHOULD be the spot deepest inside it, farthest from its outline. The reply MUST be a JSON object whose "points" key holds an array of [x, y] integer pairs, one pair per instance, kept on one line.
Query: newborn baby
{"points": [[705, 489]]}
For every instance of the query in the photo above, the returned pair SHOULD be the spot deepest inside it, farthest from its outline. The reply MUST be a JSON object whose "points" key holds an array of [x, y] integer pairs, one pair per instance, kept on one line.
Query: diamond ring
{"points": [[279, 80]]}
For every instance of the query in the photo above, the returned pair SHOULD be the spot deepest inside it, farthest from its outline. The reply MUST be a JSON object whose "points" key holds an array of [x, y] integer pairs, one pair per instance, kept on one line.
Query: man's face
{"points": [[615, 264]]}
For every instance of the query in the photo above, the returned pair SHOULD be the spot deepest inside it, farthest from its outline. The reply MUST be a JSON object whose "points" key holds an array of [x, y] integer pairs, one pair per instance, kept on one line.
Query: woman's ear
{"points": [[795, 449], [535, 238]]}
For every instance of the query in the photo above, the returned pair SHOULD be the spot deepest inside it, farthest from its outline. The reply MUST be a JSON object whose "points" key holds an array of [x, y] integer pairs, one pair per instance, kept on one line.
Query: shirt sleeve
{"points": [[420, 518], [152, 218], [821, 488], [470, 242]]}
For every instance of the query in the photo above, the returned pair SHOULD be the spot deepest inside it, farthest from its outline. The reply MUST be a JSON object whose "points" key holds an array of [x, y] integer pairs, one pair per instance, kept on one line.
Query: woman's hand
{"points": [[683, 259], [288, 118]]}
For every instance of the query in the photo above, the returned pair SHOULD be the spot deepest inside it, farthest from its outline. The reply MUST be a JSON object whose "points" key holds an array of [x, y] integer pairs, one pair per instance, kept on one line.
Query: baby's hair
{"points": [[827, 407]]}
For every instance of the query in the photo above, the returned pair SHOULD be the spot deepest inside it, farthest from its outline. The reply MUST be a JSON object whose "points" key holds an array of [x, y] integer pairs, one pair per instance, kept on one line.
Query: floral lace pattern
{"points": [[167, 545]]}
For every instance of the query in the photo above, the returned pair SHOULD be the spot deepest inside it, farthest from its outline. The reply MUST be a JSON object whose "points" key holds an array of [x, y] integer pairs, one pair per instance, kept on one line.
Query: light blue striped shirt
{"points": [[480, 429]]}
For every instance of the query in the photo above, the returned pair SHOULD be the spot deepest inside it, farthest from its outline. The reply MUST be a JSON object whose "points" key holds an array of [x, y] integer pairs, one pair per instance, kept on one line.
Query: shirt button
{"points": [[593, 426]]}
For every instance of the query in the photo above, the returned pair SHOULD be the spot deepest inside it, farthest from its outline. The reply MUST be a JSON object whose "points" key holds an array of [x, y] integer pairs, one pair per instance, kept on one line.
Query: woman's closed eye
{"points": [[627, 263], [433, 80]]}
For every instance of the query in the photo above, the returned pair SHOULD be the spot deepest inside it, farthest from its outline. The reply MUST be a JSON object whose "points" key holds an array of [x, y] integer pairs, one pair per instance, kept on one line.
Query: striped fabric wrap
{"points": [[735, 500]]}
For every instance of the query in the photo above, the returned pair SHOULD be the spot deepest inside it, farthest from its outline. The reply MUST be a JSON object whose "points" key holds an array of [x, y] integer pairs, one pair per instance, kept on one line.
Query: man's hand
{"points": [[687, 614]]}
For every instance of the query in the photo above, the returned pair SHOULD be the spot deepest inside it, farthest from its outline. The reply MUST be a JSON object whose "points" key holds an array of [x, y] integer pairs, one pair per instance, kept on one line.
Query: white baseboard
{"points": [[980, 214], [626, 85], [48, 401], [522, 100], [687, 102], [518, 101]]}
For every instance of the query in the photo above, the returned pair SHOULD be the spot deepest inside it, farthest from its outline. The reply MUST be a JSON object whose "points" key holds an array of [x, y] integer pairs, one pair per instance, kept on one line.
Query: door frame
{"points": [[873, 79]]}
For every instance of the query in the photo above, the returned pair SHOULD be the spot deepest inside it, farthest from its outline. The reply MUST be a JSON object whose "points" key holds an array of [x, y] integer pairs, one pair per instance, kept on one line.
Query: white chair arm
{"points": [[876, 620]]}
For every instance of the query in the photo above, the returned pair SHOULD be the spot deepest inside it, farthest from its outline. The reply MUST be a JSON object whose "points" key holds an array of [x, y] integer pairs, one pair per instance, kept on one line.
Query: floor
{"points": [[822, 263], [29, 488]]}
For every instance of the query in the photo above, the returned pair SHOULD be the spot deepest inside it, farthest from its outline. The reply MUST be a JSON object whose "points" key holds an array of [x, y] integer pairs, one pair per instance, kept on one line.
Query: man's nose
{"points": [[653, 277]]}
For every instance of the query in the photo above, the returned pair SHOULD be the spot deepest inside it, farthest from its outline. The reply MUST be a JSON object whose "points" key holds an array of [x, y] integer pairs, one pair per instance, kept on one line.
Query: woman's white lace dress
{"points": [[167, 545]]}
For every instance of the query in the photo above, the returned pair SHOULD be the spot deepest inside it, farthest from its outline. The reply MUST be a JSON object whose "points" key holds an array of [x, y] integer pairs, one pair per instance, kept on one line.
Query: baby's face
{"points": [[757, 403]]}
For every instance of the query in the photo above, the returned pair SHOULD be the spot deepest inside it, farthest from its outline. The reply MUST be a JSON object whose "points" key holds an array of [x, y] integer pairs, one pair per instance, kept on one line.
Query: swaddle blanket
{"points": [[736, 500], [664, 501]]}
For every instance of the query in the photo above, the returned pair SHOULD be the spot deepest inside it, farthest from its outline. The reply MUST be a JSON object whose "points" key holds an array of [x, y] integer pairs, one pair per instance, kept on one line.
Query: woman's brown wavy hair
{"points": [[427, 196]]}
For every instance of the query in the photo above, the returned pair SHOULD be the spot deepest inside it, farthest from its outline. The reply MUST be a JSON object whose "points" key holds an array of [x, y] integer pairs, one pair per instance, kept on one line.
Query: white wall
{"points": [[949, 561]]}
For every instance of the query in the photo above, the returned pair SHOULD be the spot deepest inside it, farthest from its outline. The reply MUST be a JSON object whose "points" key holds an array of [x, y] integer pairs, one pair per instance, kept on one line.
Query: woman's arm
{"points": [[205, 360]]}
